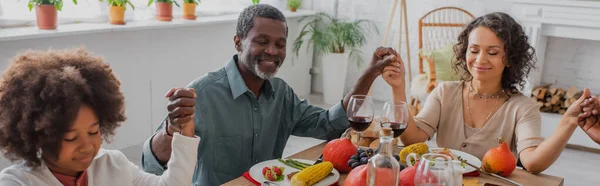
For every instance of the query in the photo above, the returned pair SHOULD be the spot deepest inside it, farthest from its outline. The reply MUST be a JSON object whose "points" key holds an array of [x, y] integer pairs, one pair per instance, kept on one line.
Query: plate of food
{"points": [[281, 171], [457, 156]]}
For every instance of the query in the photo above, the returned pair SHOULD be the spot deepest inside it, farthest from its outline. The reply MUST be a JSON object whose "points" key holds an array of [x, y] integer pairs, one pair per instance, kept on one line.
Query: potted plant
{"points": [[255, 2], [46, 11], [117, 11], [189, 9], [294, 4], [164, 9], [336, 42]]}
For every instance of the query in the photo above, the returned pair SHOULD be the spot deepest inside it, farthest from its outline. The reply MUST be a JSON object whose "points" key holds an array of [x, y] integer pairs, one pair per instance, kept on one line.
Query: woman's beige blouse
{"points": [[517, 120]]}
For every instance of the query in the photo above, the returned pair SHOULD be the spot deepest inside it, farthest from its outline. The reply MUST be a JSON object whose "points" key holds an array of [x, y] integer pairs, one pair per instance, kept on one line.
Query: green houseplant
{"points": [[255, 2], [164, 9], [189, 9], [336, 42], [117, 11], [46, 11], [294, 4]]}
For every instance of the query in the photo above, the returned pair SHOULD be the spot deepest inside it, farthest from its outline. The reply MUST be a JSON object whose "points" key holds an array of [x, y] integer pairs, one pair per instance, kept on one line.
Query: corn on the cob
{"points": [[312, 174], [417, 148]]}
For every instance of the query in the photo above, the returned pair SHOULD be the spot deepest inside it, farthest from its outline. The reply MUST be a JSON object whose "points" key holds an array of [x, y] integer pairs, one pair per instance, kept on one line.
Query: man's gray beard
{"points": [[252, 64]]}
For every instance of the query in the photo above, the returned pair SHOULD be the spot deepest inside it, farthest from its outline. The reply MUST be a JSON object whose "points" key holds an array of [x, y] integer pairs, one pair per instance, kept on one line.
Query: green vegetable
{"points": [[462, 162], [280, 177], [290, 164], [297, 163], [305, 164]]}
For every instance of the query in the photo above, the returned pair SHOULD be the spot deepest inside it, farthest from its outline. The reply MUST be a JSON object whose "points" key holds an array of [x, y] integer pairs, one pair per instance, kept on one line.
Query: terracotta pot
{"points": [[117, 15], [292, 9], [164, 11], [189, 11], [46, 17]]}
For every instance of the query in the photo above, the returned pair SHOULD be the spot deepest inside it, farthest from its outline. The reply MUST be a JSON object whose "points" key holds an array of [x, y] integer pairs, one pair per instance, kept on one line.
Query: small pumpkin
{"points": [[499, 160], [338, 152]]}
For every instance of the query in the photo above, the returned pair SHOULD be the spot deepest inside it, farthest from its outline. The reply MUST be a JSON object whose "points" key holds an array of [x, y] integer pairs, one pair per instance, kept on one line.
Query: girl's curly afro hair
{"points": [[40, 95]]}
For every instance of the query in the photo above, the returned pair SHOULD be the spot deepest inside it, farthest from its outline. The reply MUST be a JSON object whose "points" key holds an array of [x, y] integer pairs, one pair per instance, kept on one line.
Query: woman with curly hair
{"points": [[56, 109], [470, 115]]}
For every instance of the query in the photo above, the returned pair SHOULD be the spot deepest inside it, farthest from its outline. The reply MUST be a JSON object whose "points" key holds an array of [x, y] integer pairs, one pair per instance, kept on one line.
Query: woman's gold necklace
{"points": [[485, 97]]}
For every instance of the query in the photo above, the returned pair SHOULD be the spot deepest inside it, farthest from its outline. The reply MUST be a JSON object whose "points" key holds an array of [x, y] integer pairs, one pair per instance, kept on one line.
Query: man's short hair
{"points": [[246, 19]]}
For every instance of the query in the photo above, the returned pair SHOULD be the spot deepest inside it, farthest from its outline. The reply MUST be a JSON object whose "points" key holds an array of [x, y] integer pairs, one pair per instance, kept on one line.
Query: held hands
{"points": [[589, 118], [389, 65], [181, 109], [587, 111], [393, 74], [382, 57]]}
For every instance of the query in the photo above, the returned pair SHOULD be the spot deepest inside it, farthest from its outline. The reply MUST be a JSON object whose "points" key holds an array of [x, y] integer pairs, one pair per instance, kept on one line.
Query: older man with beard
{"points": [[243, 113]]}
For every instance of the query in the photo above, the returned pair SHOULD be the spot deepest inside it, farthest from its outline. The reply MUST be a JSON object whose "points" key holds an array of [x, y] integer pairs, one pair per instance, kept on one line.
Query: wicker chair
{"points": [[437, 29]]}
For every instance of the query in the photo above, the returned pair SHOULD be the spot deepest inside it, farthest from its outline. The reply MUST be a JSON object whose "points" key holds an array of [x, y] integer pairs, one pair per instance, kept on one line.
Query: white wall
{"points": [[150, 62], [572, 62]]}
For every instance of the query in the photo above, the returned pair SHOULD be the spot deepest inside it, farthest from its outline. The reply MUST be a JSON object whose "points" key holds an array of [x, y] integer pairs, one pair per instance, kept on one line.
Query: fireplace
{"points": [[558, 29]]}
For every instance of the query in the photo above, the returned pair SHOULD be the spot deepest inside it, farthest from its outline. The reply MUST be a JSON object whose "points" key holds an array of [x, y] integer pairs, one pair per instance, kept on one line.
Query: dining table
{"points": [[518, 175]]}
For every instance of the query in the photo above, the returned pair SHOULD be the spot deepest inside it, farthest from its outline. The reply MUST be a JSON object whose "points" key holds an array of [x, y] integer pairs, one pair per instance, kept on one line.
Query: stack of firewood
{"points": [[555, 100]]}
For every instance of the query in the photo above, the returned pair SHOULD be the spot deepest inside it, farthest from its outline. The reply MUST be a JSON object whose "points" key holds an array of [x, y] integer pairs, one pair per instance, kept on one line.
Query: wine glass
{"points": [[360, 113], [435, 170], [395, 116]]}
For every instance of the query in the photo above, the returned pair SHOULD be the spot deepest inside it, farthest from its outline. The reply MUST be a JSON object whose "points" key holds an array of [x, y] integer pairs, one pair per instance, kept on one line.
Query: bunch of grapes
{"points": [[397, 158], [361, 158]]}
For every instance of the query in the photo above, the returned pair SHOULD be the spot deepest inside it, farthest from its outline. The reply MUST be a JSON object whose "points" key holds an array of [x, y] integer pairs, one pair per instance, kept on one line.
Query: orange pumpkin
{"points": [[338, 152], [499, 160]]}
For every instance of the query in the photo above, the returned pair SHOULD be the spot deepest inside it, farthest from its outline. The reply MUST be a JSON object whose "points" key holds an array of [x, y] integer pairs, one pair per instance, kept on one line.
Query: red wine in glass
{"points": [[395, 116], [360, 123], [397, 127], [360, 114]]}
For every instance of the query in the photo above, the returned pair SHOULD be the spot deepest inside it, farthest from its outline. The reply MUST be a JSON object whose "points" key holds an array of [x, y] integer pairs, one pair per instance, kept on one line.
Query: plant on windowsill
{"points": [[189, 9], [164, 9], [45, 11], [294, 5], [336, 42], [117, 11]]}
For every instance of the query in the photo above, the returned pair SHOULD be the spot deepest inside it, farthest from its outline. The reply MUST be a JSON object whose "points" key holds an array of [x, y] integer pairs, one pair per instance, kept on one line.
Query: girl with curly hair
{"points": [[56, 109], [470, 115]]}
